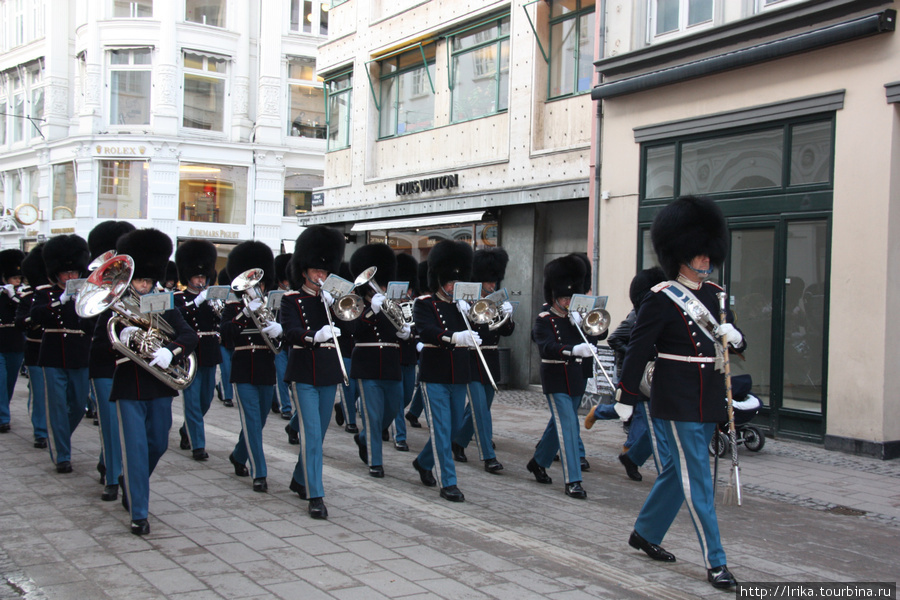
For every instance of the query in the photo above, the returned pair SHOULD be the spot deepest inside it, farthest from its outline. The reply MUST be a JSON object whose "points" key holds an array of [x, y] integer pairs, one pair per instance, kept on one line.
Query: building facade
{"points": [[785, 112], [204, 119]]}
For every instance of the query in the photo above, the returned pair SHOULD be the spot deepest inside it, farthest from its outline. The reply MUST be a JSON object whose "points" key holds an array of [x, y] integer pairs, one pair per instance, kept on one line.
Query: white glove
{"points": [[623, 410], [583, 350], [200, 299], [419, 346], [252, 307], [162, 358], [329, 299], [63, 298], [273, 329], [377, 301], [326, 333], [125, 334], [464, 307], [731, 335], [575, 318], [404, 332], [507, 308], [466, 338], [9, 289]]}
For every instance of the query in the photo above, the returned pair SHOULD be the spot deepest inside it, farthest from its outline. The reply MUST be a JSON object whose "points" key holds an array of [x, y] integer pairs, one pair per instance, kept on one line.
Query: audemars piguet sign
{"points": [[430, 184]]}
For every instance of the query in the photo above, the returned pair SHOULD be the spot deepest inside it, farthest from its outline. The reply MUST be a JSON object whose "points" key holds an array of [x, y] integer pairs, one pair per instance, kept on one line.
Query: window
{"points": [[571, 47], [132, 9], [35, 75], [420, 240], [298, 188], [123, 189], [129, 86], [337, 106], [18, 109], [669, 17], [3, 117], [205, 12], [306, 116], [63, 186], [212, 193], [204, 92], [407, 99], [480, 70], [310, 16]]}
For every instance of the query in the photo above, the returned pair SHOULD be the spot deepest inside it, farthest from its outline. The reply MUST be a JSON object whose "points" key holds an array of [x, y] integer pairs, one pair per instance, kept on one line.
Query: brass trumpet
{"points": [[248, 283]]}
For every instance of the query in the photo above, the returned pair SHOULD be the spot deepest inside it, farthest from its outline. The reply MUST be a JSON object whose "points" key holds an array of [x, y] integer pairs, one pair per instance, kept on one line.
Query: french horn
{"points": [[485, 311], [109, 287], [248, 283]]}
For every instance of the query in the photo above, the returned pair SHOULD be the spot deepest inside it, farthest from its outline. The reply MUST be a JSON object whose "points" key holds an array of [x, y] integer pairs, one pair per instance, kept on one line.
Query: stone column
{"points": [[165, 71], [268, 200], [270, 95]]}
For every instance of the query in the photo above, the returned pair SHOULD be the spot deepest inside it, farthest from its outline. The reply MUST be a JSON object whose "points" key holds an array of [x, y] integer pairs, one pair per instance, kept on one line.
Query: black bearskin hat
{"points": [[103, 236], [586, 285], [318, 247], [344, 271], [489, 264], [253, 255], [33, 267], [687, 227], [281, 263], [150, 249], [196, 257], [65, 253], [423, 276], [224, 279], [379, 256], [449, 261], [563, 276], [408, 270], [11, 263], [171, 272], [642, 282]]}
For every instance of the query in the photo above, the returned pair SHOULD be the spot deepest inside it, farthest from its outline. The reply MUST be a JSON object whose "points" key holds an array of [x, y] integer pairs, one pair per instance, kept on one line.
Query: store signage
{"points": [[430, 184], [59, 230], [213, 233], [318, 199], [120, 150]]}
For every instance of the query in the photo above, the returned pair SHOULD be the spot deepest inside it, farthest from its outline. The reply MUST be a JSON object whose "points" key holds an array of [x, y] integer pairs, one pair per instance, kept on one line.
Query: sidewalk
{"points": [[213, 537]]}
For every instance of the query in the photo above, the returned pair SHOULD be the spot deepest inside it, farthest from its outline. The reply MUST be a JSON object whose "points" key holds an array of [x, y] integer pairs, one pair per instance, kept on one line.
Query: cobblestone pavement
{"points": [[808, 515]]}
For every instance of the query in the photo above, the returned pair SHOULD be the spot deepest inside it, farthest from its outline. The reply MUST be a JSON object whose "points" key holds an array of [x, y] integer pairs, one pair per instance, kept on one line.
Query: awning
{"points": [[429, 221]]}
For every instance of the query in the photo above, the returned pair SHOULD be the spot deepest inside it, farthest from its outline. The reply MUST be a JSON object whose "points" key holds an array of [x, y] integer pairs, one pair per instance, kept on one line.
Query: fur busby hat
{"points": [[318, 247], [642, 282], [150, 249], [379, 256], [281, 263], [408, 270], [687, 227], [196, 257], [253, 255], [449, 261], [65, 253], [586, 285], [563, 277], [33, 267], [224, 279], [11, 263], [171, 271], [489, 264], [103, 236]]}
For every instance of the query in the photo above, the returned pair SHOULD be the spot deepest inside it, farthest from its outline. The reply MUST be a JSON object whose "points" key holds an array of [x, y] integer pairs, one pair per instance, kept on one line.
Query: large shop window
{"points": [[407, 92], [204, 92], [309, 16], [64, 197], [479, 70], [337, 105], [571, 47], [123, 189], [306, 117], [132, 9], [205, 12], [212, 193], [418, 241], [670, 18], [298, 187], [129, 86]]}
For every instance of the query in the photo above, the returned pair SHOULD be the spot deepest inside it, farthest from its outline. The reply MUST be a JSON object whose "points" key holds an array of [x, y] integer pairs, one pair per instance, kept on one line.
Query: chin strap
{"points": [[704, 273]]}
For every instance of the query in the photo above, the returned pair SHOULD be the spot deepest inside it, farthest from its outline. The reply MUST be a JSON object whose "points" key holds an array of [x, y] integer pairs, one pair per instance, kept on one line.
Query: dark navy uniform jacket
{"points": [[252, 362], [132, 381], [490, 350], [103, 357], [32, 329], [437, 318], [681, 391], [302, 315], [376, 350], [66, 343], [11, 337], [555, 336], [205, 322]]}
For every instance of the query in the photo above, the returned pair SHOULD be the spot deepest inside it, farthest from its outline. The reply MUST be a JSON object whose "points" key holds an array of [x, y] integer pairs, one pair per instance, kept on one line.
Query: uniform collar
{"points": [[441, 295], [691, 285], [308, 290]]}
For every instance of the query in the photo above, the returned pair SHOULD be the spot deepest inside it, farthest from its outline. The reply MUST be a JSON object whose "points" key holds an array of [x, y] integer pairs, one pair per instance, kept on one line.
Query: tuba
{"points": [[109, 287], [100, 260], [391, 308], [248, 283]]}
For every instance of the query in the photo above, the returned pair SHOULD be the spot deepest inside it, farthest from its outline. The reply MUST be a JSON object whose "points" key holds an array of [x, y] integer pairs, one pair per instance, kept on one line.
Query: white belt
{"points": [[488, 347], [122, 360], [206, 333], [687, 359], [251, 347], [328, 345], [559, 362], [376, 345], [2, 325], [72, 331]]}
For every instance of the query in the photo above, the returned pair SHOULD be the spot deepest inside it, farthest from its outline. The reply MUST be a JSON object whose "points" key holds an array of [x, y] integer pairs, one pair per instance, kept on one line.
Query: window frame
{"points": [[498, 40], [223, 6], [319, 10], [316, 83], [331, 90], [130, 67], [578, 14], [425, 66], [684, 28], [133, 4], [204, 72], [143, 201]]}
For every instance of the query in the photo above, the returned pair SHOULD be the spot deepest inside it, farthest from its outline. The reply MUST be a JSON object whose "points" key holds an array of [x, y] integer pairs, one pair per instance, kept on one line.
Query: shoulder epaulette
{"points": [[544, 314], [715, 285], [291, 293], [43, 287], [660, 286], [424, 297]]}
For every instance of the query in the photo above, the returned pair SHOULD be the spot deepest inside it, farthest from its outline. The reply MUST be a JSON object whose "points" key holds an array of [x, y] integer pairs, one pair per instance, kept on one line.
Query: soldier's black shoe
{"points": [[452, 493], [413, 420], [363, 451], [652, 550], [492, 465], [721, 577], [585, 465], [286, 415], [401, 446], [240, 469], [199, 454], [376, 471], [140, 527], [40, 443], [228, 402], [574, 490], [124, 493], [459, 453], [219, 391], [425, 475], [185, 441], [101, 468], [385, 435], [351, 428], [339, 415], [276, 407], [317, 508], [110, 493], [64, 467], [298, 488], [260, 485], [631, 469], [293, 436], [540, 474]]}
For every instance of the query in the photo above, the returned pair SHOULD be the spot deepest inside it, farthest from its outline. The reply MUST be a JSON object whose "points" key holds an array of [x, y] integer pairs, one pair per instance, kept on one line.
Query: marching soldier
{"points": [[196, 262], [687, 394], [488, 268], [407, 270], [224, 389], [65, 345], [36, 275], [376, 356], [253, 364], [445, 367], [314, 370], [12, 341], [282, 393], [169, 284]]}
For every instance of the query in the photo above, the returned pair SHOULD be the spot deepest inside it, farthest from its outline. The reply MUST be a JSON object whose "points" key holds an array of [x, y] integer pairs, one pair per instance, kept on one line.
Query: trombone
{"points": [[595, 322], [248, 283]]}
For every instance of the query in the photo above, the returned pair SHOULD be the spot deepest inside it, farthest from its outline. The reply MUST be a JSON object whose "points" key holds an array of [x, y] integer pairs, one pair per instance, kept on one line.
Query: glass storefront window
{"points": [[212, 193], [123, 189], [298, 188], [659, 179], [811, 145], [738, 162], [64, 193], [419, 241]]}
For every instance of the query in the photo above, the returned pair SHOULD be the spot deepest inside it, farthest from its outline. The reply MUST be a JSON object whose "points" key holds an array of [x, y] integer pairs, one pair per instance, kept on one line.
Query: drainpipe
{"points": [[598, 123]]}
